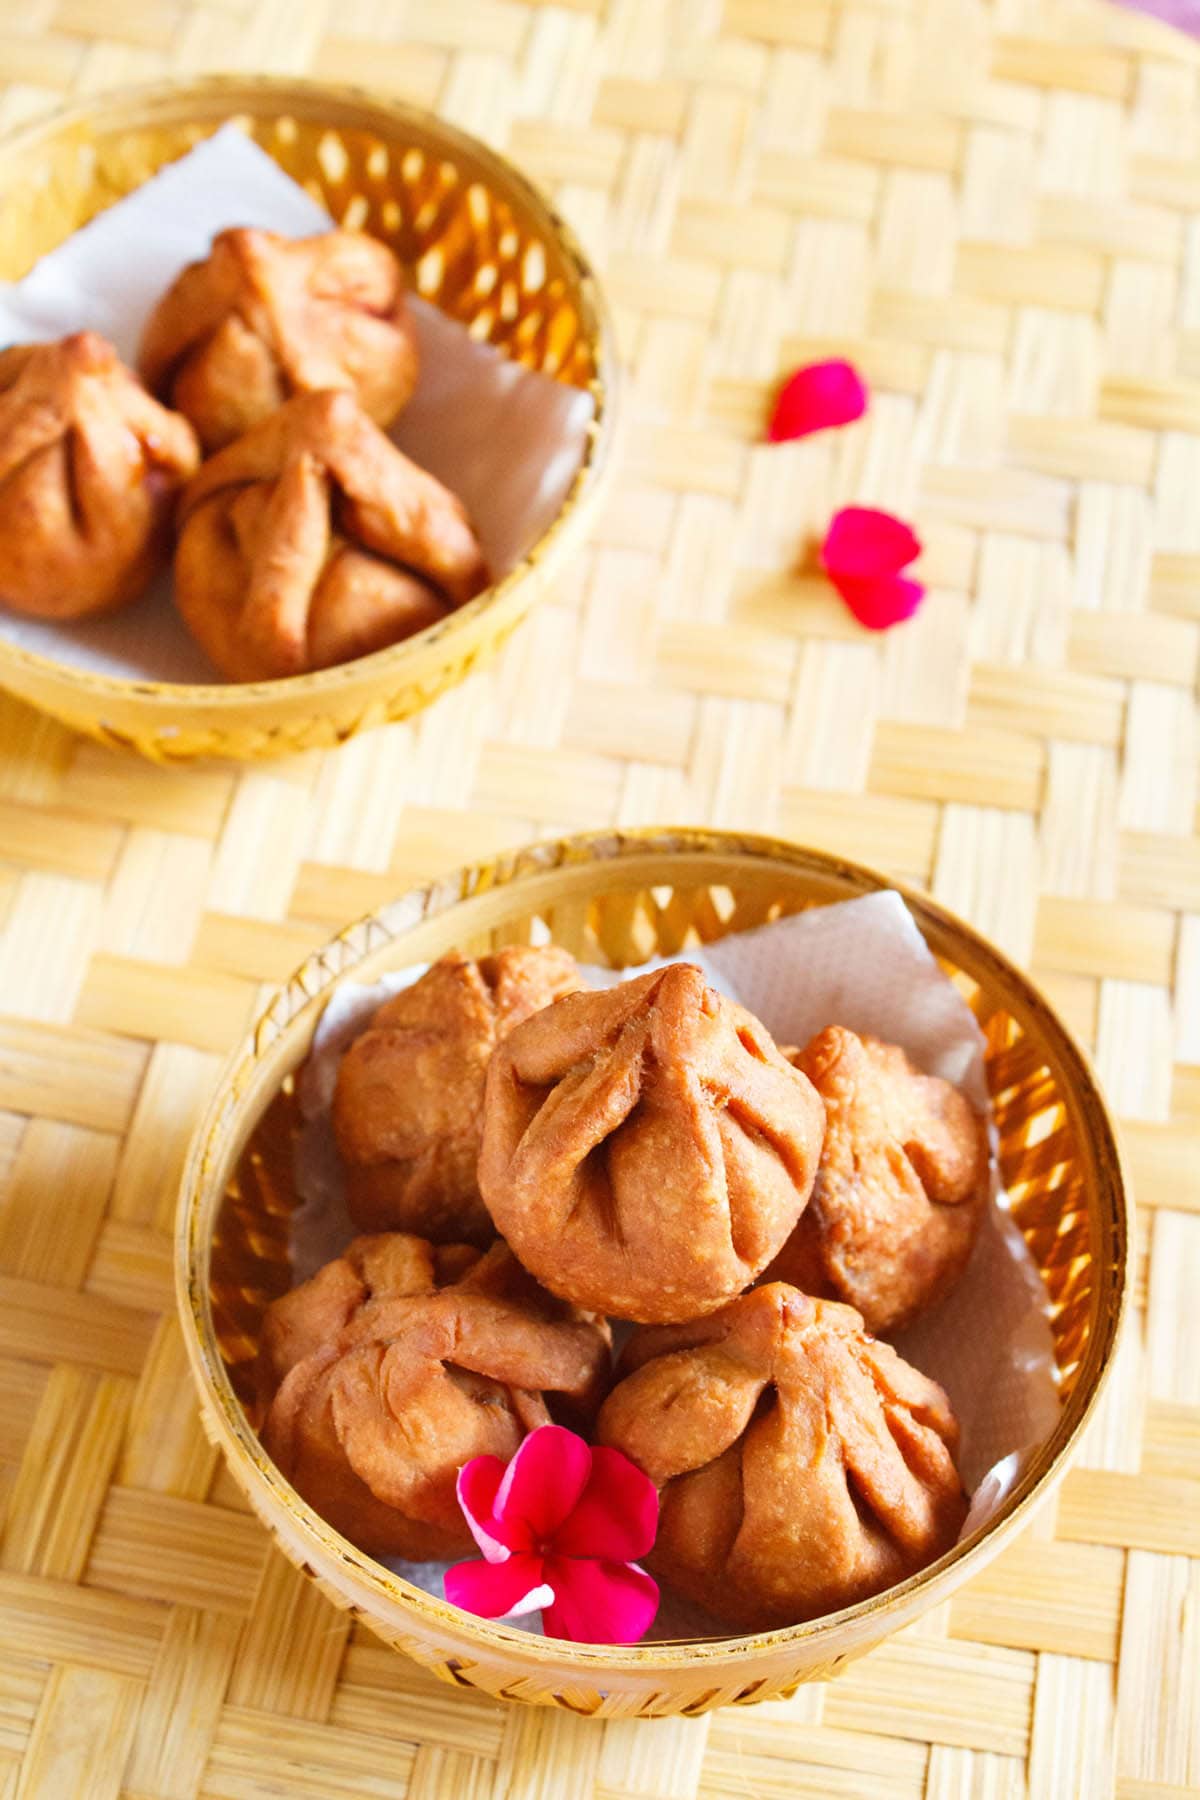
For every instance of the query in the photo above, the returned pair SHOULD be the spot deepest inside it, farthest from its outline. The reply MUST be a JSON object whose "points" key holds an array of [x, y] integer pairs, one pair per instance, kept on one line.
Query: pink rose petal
{"points": [[599, 1602], [617, 1514], [543, 1482], [499, 1590], [862, 543], [478, 1484], [816, 397], [886, 600], [863, 554]]}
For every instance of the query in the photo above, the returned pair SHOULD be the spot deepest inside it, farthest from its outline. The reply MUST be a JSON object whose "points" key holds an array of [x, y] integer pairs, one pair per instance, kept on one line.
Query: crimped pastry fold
{"points": [[647, 1149], [312, 540], [264, 317], [90, 465], [802, 1465]]}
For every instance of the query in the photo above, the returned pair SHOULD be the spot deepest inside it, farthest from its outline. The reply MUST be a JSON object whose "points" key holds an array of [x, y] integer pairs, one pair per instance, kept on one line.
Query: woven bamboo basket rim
{"points": [[559, 868], [228, 94]]}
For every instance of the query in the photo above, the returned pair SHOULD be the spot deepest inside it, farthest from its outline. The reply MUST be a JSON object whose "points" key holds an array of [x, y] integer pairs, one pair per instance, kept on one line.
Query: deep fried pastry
{"points": [[264, 317], [399, 1362], [900, 1189], [374, 1268], [312, 540], [89, 467], [408, 1105], [646, 1150], [802, 1465]]}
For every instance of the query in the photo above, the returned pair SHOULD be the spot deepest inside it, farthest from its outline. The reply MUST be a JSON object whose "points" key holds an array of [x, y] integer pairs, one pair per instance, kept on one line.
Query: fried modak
{"points": [[312, 540], [263, 317], [400, 1361], [901, 1186], [647, 1149], [801, 1464], [90, 465], [408, 1105]]}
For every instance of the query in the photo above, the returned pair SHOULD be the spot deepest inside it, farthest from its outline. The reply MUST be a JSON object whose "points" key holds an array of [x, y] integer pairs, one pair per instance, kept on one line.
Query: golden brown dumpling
{"points": [[89, 468], [264, 317], [312, 540], [646, 1150], [399, 1362], [802, 1465], [901, 1187], [408, 1105]]}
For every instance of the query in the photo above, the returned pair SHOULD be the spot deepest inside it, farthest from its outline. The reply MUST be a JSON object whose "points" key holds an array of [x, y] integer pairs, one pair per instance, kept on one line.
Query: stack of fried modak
{"points": [[533, 1160], [306, 538]]}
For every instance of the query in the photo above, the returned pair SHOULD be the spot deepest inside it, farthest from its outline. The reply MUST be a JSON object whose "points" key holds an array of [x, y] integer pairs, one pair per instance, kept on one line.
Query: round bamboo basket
{"points": [[618, 899], [477, 241]]}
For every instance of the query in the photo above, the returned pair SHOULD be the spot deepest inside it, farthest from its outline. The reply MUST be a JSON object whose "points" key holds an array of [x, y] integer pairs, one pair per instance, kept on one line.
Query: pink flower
{"points": [[863, 554], [815, 397], [558, 1529]]}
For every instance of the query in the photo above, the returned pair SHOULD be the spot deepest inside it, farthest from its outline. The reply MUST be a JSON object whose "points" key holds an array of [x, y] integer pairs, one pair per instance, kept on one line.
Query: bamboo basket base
{"points": [[619, 898], [475, 240]]}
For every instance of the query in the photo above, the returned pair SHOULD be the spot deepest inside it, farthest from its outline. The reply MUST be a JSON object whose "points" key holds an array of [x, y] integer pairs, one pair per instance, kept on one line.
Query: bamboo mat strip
{"points": [[991, 205]]}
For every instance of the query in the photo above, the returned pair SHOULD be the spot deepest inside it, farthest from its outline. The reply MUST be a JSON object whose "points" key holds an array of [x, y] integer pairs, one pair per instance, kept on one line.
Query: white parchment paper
{"points": [[862, 964], [508, 441]]}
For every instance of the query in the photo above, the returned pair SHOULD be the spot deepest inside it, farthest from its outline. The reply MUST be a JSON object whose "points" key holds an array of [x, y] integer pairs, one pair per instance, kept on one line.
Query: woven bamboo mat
{"points": [[992, 208]]}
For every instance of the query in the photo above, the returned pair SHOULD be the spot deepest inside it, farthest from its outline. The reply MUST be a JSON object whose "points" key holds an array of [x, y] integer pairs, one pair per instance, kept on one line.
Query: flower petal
{"points": [[887, 600], [478, 1484], [543, 1482], [863, 543], [498, 1590], [599, 1602], [816, 397], [617, 1514]]}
